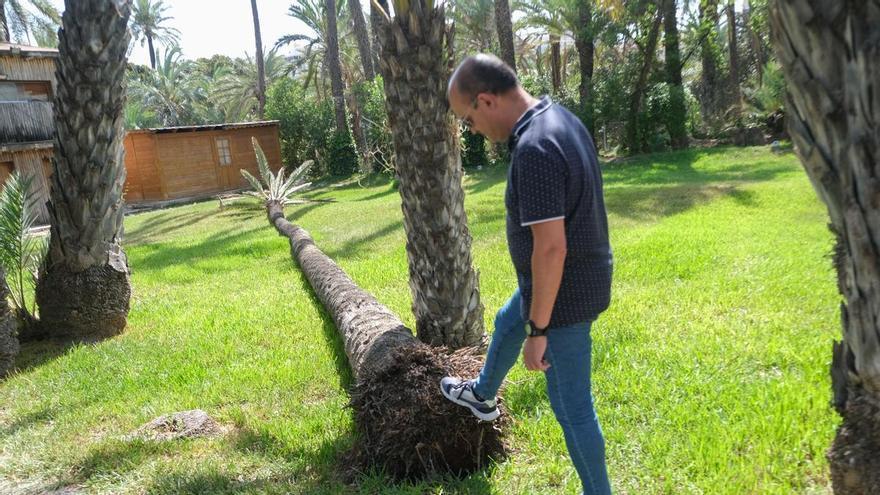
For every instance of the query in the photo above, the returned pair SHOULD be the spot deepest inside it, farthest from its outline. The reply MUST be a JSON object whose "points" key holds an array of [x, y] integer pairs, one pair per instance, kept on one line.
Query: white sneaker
{"points": [[462, 393]]}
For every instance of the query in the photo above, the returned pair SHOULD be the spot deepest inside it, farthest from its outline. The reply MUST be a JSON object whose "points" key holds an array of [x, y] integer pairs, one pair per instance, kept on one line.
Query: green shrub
{"points": [[374, 117], [342, 157], [306, 125]]}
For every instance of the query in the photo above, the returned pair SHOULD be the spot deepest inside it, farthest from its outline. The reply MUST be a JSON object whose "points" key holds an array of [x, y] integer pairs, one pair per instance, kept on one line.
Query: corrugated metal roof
{"points": [[211, 127], [27, 51]]}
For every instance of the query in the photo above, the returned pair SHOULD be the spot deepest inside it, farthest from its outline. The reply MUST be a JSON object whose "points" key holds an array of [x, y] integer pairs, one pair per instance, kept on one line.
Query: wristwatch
{"points": [[533, 330]]}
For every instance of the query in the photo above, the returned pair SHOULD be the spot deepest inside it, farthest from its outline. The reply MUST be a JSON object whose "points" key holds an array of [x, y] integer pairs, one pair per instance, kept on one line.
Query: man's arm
{"points": [[548, 258]]}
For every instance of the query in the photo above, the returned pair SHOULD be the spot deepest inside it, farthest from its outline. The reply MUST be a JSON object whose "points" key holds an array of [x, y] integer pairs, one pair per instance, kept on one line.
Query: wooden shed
{"points": [[27, 129], [194, 161]]}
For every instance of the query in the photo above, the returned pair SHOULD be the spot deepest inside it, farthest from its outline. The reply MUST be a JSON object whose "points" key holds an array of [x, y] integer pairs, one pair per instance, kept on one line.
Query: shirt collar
{"points": [[524, 120]]}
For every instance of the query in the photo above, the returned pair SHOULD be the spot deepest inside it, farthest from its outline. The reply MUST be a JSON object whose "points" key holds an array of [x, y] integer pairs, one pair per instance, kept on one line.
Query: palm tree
{"points": [[41, 20], [415, 68], [170, 90], [504, 25], [237, 90], [675, 120], [403, 421], [828, 52], [313, 14], [261, 69], [710, 56], [147, 25], [473, 26], [84, 289], [335, 67], [363, 38], [733, 51]]}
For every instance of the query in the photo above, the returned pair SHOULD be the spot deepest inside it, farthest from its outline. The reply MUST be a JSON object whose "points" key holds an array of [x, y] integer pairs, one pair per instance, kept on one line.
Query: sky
{"points": [[209, 27], [221, 27]]}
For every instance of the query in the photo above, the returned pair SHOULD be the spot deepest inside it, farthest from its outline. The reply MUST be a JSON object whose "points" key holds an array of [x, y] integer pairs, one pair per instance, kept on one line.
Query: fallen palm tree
{"points": [[406, 428]]}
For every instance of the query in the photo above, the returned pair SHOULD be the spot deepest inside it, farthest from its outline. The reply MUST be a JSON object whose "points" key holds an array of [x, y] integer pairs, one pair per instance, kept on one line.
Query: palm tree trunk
{"points": [[829, 56], [335, 67], [375, 20], [369, 330], [403, 420], [733, 50], [709, 59], [584, 43], [363, 38], [8, 341], [152, 52], [634, 121], [675, 118], [555, 63], [261, 62], [444, 284], [755, 43], [84, 289], [4, 25], [504, 25]]}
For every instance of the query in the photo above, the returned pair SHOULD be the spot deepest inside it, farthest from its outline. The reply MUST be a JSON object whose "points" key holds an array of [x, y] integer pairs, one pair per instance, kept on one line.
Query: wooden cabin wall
{"points": [[36, 164], [175, 165]]}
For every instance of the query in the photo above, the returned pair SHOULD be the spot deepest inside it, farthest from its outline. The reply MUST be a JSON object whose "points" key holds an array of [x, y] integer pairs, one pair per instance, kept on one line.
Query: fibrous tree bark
{"points": [[830, 56], [504, 25], [415, 66], [261, 62], [584, 41], [8, 340], [84, 289], [363, 38], [675, 121]]}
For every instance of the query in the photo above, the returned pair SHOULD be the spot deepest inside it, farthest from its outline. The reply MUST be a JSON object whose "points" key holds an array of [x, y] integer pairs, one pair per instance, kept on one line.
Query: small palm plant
{"points": [[20, 251], [278, 188]]}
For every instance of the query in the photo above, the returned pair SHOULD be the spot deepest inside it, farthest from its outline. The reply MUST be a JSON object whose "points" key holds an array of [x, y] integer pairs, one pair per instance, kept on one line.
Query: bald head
{"points": [[481, 73]]}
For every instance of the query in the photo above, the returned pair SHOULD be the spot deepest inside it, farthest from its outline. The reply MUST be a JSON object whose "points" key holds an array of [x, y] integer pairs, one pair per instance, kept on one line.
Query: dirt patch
{"points": [[185, 424]]}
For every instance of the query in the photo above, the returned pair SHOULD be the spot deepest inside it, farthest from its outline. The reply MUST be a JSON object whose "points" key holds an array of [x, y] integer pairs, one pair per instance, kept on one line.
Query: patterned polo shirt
{"points": [[554, 174]]}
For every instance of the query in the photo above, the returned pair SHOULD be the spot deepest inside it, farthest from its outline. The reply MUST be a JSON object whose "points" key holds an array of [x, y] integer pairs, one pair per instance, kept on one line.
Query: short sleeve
{"points": [[541, 184]]}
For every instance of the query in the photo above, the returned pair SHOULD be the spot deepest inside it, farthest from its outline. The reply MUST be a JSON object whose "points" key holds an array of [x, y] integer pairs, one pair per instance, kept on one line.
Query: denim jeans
{"points": [[568, 386]]}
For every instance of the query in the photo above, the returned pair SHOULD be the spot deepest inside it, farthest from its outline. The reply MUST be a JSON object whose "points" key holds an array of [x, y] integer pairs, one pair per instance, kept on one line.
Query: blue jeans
{"points": [[568, 386]]}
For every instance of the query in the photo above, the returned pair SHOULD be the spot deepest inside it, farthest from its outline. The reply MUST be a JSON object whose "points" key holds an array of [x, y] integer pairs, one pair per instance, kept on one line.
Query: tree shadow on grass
{"points": [[165, 223], [35, 353], [355, 246], [480, 180], [648, 202], [221, 243]]}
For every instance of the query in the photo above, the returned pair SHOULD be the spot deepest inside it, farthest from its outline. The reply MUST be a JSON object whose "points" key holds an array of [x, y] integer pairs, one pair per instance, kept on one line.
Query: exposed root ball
{"points": [[409, 430]]}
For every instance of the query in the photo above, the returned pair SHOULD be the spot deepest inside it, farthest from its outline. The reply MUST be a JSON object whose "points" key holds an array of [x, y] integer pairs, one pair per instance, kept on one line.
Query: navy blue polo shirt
{"points": [[554, 174]]}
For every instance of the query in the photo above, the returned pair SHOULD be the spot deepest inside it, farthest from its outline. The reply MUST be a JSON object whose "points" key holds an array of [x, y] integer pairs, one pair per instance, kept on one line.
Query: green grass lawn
{"points": [[710, 367]]}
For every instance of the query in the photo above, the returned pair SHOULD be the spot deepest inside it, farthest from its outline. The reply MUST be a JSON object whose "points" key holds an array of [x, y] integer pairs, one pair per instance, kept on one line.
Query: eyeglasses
{"points": [[467, 122]]}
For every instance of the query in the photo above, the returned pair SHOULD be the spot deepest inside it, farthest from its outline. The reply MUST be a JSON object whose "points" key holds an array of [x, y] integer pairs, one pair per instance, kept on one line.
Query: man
{"points": [[557, 234]]}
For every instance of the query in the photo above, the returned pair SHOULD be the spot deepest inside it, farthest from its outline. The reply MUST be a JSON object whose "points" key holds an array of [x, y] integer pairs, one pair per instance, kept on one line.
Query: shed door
{"points": [[228, 172]]}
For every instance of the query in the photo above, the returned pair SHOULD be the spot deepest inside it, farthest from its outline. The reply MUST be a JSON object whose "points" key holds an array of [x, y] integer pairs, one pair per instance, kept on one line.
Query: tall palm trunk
{"points": [[755, 43], [363, 38], [4, 25], [85, 290], [733, 50], [415, 67], [152, 51], [8, 340], [375, 20], [831, 61], [504, 25], [584, 43], [334, 66], [261, 62], [675, 118], [708, 94], [634, 131], [555, 63]]}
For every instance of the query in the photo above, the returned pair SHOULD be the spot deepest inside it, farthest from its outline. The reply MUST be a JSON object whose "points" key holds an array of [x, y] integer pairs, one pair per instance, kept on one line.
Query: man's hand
{"points": [[533, 354]]}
